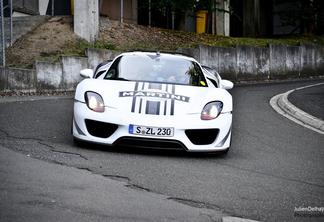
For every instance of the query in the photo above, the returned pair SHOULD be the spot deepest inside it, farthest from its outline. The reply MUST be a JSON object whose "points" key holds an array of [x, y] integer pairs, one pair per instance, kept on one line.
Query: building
{"points": [[276, 17], [250, 18], [123, 10], [41, 7]]}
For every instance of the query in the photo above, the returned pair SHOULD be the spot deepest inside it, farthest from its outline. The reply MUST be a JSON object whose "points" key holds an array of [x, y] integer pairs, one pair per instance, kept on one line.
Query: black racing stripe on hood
{"points": [[152, 107], [165, 107], [172, 101], [141, 100], [134, 97], [144, 105]]}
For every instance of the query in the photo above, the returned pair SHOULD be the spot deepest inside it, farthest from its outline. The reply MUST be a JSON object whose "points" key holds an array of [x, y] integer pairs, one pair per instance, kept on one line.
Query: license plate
{"points": [[151, 131]]}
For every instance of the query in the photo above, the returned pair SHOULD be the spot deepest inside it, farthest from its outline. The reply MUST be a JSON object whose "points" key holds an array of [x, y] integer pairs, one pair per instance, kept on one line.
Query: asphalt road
{"points": [[274, 165]]}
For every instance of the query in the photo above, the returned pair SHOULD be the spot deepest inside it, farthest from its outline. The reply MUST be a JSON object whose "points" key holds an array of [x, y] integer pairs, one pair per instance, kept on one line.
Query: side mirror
{"points": [[86, 73], [225, 84]]}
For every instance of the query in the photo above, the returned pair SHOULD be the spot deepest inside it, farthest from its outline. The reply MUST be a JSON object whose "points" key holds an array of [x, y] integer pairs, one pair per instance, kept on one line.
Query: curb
{"points": [[281, 105], [237, 219], [11, 99]]}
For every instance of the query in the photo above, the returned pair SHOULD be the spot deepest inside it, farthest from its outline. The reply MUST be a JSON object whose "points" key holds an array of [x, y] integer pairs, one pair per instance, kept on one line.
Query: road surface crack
{"points": [[41, 142], [137, 187], [6, 134], [117, 177], [52, 149], [86, 168]]}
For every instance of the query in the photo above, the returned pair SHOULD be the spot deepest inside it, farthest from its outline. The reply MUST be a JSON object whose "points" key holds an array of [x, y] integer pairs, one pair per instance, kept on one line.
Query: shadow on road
{"points": [[150, 151]]}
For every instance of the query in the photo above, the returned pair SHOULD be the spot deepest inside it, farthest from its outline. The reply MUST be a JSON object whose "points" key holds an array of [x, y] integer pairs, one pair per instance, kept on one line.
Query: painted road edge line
{"points": [[281, 105]]}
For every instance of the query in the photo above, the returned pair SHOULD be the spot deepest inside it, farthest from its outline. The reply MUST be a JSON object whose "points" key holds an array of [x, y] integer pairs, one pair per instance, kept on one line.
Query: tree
{"points": [[169, 7], [179, 5], [303, 15]]}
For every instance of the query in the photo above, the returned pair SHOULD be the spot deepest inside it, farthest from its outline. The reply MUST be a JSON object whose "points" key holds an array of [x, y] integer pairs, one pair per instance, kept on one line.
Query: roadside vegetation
{"points": [[55, 38]]}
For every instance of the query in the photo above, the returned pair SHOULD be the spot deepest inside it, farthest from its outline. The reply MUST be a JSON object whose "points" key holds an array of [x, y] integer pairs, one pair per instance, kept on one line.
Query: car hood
{"points": [[153, 98]]}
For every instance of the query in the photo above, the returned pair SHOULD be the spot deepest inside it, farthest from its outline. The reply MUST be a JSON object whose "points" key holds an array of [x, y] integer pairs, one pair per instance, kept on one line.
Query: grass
{"points": [[79, 46], [71, 48], [181, 39], [262, 42], [194, 40]]}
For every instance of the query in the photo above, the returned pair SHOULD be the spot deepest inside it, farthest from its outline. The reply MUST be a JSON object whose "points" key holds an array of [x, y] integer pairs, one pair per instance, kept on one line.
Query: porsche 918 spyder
{"points": [[156, 100]]}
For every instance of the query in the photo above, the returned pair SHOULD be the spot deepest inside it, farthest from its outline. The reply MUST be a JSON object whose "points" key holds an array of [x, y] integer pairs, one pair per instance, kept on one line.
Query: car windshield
{"points": [[156, 68]]}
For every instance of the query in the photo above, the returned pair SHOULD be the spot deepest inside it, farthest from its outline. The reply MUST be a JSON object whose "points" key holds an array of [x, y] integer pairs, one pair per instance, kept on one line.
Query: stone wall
{"points": [[241, 63], [260, 63], [14, 79]]}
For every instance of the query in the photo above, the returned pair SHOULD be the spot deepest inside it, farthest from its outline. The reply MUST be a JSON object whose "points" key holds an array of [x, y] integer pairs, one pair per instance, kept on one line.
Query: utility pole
{"points": [[214, 17], [227, 18], [173, 18], [52, 7], [256, 17], [11, 40], [121, 11], [3, 41], [150, 19]]}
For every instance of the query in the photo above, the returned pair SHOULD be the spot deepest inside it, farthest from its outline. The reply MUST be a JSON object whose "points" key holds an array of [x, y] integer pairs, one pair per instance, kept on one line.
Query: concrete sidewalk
{"points": [[34, 190]]}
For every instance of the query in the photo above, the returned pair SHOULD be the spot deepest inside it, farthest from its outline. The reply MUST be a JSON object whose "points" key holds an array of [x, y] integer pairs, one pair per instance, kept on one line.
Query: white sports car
{"points": [[158, 100]]}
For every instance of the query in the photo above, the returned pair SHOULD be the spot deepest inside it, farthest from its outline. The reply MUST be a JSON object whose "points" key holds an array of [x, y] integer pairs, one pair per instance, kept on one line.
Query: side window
{"points": [[213, 81], [201, 81], [111, 73], [99, 73], [113, 70], [212, 75], [102, 68]]}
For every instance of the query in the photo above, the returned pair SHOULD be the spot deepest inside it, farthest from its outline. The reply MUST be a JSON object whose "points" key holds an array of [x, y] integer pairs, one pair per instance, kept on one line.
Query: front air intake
{"points": [[100, 129], [202, 136]]}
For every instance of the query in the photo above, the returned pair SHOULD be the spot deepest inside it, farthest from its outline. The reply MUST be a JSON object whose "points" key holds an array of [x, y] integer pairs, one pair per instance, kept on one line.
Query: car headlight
{"points": [[94, 101], [211, 110]]}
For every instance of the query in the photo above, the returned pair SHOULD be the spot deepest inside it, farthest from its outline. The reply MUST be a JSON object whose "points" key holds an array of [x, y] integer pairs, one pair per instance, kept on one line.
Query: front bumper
{"points": [[185, 128]]}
